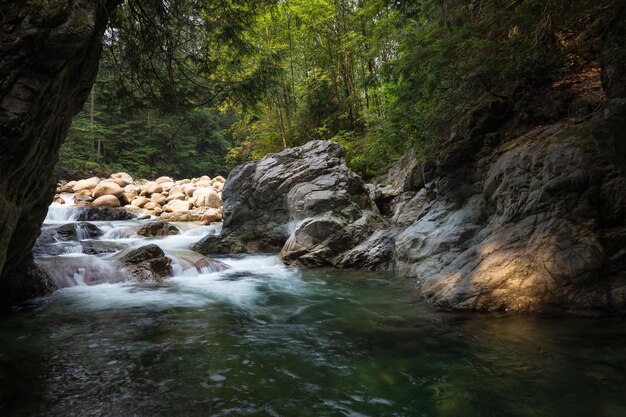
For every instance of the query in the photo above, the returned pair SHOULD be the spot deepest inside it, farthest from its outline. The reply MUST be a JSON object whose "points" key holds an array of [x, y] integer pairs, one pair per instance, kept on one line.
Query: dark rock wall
{"points": [[49, 53]]}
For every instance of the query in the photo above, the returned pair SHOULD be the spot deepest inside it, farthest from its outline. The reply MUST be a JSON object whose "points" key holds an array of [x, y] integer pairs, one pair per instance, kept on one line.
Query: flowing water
{"points": [[261, 339]]}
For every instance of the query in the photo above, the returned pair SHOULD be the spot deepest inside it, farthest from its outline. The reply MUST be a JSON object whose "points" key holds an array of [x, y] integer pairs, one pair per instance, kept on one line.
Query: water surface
{"points": [[265, 340]]}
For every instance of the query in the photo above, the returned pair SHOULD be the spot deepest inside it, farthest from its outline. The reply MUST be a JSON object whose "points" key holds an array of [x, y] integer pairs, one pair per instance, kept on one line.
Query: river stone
{"points": [[107, 188], [88, 184], [71, 231], [151, 188], [158, 198], [147, 263], [122, 179], [106, 201], [102, 214], [177, 205], [140, 201], [162, 180], [206, 197], [154, 229], [303, 201]]}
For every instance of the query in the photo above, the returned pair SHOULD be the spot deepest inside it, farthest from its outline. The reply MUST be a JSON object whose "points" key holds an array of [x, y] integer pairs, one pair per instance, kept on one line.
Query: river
{"points": [[262, 339]]}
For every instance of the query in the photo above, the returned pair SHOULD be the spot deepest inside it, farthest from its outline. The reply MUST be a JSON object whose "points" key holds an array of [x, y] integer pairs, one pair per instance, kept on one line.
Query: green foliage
{"points": [[194, 87]]}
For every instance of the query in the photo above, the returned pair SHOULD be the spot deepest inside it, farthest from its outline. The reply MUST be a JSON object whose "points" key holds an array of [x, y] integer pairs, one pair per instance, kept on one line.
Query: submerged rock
{"points": [[147, 263], [303, 201], [154, 229], [103, 214], [78, 231]]}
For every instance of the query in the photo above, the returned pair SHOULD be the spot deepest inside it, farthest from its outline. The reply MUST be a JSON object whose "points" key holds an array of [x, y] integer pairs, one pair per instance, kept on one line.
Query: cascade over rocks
{"points": [[304, 202], [48, 61]]}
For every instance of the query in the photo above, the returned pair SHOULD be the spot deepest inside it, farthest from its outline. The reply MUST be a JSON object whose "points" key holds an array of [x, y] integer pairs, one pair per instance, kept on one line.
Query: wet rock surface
{"points": [[103, 214], [147, 263], [154, 229]]}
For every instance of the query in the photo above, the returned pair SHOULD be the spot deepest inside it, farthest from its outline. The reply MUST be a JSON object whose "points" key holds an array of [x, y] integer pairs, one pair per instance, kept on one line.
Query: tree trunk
{"points": [[49, 53]]}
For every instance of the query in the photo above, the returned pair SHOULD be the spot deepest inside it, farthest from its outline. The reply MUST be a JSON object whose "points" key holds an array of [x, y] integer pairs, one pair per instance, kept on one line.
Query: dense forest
{"points": [[377, 76]]}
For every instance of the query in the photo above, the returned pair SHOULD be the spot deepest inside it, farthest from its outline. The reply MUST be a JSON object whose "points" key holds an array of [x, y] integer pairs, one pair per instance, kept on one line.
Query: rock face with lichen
{"points": [[49, 54]]}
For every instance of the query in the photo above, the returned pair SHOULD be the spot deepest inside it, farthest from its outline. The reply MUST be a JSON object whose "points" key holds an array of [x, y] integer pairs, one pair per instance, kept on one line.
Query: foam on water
{"points": [[242, 286], [60, 214]]}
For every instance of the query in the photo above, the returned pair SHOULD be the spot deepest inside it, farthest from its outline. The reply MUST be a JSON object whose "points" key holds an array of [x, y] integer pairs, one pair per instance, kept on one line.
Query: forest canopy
{"points": [[188, 88]]}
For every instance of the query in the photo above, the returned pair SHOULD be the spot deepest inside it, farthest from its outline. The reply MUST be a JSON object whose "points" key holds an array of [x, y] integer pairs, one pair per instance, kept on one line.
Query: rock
{"points": [[209, 266], [71, 184], [180, 216], [189, 190], [158, 198], [161, 180], [176, 196], [122, 178], [132, 189], [218, 186], [126, 199], [58, 200], [609, 125], [206, 197], [148, 263], [66, 189], [88, 184], [151, 205], [304, 201], [82, 200], [140, 201], [532, 225], [78, 231], [106, 201], [107, 188], [177, 205], [211, 216], [166, 186], [103, 214], [613, 59], [159, 228], [219, 178], [151, 188], [50, 56], [204, 183]]}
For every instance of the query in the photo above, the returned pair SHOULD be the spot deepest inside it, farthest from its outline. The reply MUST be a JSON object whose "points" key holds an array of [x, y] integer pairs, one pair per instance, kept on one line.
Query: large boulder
{"points": [[304, 202], [106, 201], [534, 224], [122, 179], [206, 197], [107, 188], [88, 184], [177, 205], [147, 263]]}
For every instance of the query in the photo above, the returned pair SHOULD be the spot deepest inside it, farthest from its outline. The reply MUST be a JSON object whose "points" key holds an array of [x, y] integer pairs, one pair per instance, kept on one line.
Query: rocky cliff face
{"points": [[49, 52], [534, 224]]}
